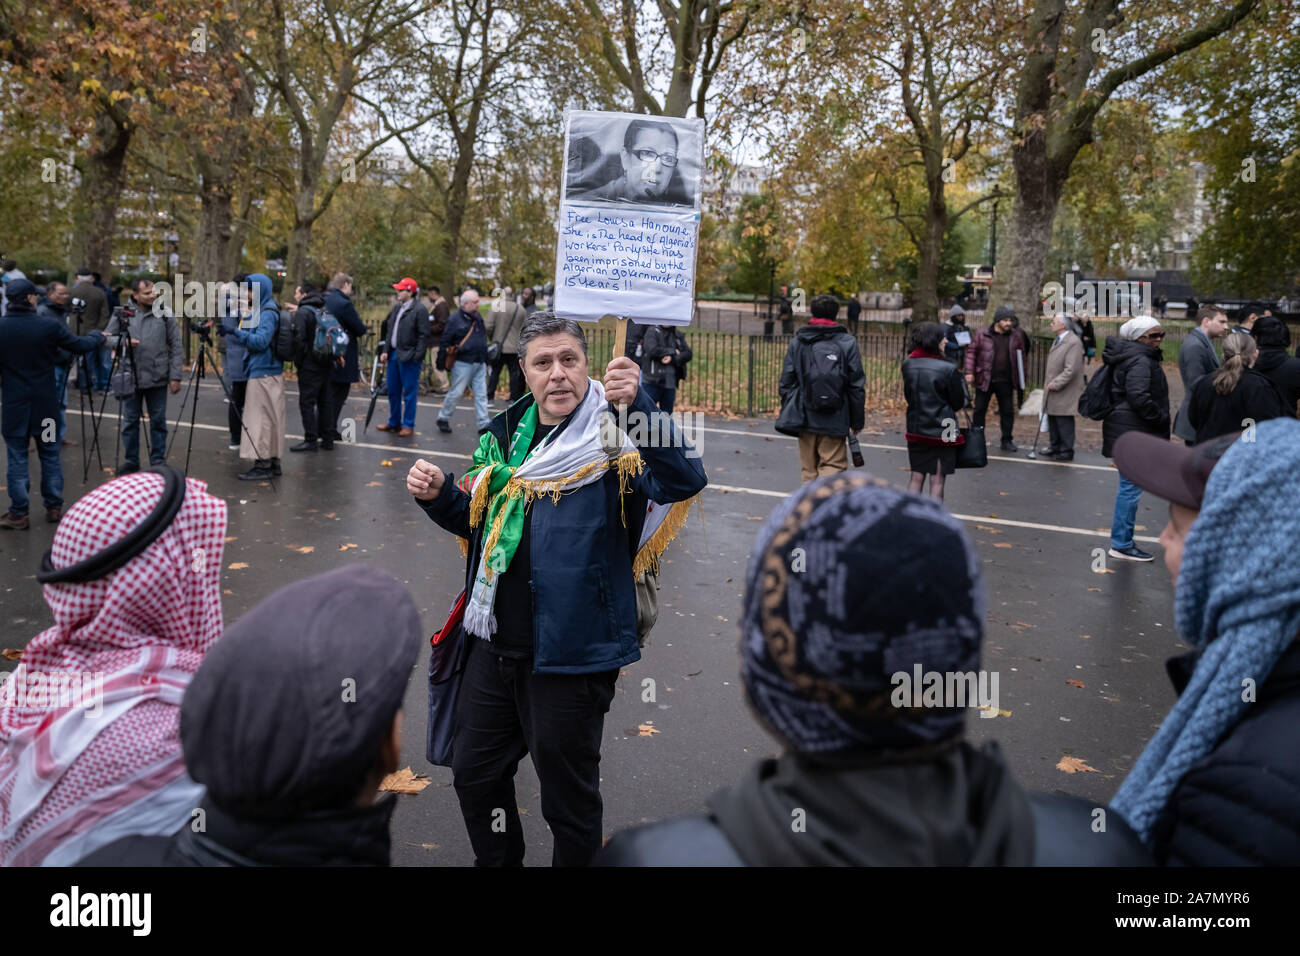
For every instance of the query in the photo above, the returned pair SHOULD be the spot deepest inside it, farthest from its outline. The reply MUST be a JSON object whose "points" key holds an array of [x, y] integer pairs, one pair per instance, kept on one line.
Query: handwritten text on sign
{"points": [[638, 263]]}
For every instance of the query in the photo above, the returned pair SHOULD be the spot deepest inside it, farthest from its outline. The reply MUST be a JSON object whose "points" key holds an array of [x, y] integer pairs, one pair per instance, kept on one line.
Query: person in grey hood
{"points": [[291, 727], [872, 773]]}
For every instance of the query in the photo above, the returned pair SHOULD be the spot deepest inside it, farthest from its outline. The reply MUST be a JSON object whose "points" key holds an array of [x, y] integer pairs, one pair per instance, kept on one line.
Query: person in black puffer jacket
{"points": [[663, 363], [1219, 783], [1141, 395], [1281, 368], [934, 389], [1234, 396]]}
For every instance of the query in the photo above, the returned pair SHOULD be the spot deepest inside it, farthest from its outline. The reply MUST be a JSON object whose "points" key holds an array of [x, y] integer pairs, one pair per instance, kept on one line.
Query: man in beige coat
{"points": [[505, 320], [1064, 386]]}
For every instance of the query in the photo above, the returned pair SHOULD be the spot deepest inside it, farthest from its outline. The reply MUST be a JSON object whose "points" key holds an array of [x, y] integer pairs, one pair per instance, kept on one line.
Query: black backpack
{"points": [[1097, 402], [283, 347], [823, 376], [302, 329]]}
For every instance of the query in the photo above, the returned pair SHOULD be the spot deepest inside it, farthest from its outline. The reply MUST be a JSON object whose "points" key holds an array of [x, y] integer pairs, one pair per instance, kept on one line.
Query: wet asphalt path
{"points": [[1053, 622]]}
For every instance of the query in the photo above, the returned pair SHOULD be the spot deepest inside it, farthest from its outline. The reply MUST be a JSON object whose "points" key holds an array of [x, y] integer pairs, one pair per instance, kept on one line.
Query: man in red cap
{"points": [[404, 334]]}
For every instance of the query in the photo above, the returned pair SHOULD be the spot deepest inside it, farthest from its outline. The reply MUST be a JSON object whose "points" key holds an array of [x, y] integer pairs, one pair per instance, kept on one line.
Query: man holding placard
{"points": [[557, 519]]}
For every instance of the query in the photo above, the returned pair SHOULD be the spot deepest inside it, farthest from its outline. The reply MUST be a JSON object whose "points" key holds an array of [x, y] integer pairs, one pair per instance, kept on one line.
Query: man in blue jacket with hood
{"points": [[263, 434]]}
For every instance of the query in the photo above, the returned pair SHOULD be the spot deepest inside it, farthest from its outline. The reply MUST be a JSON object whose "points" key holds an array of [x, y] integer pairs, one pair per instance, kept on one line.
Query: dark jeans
{"points": [[1061, 430], [239, 390], [156, 399], [663, 397], [338, 399], [516, 376], [1006, 410], [315, 397], [20, 481], [505, 711]]}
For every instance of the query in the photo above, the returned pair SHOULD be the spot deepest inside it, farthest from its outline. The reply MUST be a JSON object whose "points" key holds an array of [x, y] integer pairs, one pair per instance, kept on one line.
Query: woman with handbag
{"points": [[934, 390]]}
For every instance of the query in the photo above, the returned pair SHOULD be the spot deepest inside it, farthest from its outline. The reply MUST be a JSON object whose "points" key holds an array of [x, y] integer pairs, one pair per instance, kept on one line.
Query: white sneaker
{"points": [[233, 447]]}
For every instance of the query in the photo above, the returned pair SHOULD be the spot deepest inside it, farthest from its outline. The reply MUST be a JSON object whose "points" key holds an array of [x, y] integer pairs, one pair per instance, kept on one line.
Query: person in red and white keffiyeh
{"points": [[78, 771]]}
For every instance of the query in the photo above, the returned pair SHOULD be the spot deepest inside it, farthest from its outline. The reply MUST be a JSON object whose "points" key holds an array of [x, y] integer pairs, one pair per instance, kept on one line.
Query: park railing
{"points": [[733, 374]]}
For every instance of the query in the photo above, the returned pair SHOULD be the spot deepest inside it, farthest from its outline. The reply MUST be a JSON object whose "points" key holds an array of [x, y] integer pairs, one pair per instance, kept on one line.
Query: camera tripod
{"points": [[123, 355], [198, 372]]}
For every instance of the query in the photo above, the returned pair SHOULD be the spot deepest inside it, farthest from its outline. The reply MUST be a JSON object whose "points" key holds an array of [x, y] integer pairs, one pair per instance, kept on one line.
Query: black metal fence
{"points": [[734, 374]]}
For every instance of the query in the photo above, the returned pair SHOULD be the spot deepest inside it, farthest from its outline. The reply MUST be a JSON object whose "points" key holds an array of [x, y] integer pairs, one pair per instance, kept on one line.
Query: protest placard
{"points": [[629, 217]]}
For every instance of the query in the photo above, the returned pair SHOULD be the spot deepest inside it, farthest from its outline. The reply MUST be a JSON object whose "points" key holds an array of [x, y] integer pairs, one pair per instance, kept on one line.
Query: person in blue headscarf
{"points": [[263, 433], [1219, 783]]}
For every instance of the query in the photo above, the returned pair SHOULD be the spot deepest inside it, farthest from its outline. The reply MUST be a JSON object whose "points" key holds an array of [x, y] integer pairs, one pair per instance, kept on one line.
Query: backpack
{"points": [[1097, 402], [823, 376], [331, 341], [299, 332], [282, 339]]}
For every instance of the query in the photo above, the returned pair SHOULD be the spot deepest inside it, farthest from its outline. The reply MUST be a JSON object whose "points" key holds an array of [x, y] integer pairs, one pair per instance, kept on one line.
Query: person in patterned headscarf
{"points": [[89, 722]]}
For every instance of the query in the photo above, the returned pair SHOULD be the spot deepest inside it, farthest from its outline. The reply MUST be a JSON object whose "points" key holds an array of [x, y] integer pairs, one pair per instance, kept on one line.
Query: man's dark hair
{"points": [[634, 127], [434, 289], [548, 323], [307, 288], [824, 307], [1271, 332], [927, 336], [9, 265], [1207, 311], [85, 273], [97, 277], [138, 281]]}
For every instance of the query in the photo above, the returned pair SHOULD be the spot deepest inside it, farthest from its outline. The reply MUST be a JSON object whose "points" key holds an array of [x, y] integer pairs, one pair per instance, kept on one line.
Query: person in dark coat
{"points": [[551, 626], [1219, 783], [855, 313], [957, 336], [663, 363], [315, 396], [823, 391], [338, 300], [438, 310], [403, 340], [95, 315], [1197, 358], [56, 307], [1089, 337], [935, 390], [292, 729], [29, 352], [785, 311], [467, 332], [867, 775], [995, 365], [1140, 394], [1281, 368], [1234, 396]]}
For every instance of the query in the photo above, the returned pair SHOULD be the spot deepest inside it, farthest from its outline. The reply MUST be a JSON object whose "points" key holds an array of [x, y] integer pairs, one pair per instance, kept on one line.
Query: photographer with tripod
{"points": [[151, 368], [29, 352]]}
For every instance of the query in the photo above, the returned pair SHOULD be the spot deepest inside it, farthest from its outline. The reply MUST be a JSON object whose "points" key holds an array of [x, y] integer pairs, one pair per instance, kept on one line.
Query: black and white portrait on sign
{"points": [[633, 159]]}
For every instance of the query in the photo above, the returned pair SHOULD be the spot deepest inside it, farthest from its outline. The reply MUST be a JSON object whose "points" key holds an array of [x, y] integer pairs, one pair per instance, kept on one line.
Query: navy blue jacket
{"points": [[1240, 804], [29, 350], [458, 323], [341, 307], [584, 596]]}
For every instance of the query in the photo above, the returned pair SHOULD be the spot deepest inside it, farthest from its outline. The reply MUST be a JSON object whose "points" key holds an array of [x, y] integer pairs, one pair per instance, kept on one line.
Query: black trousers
{"points": [[315, 401], [505, 711], [1006, 410], [239, 390], [516, 376], [338, 399], [1060, 428]]}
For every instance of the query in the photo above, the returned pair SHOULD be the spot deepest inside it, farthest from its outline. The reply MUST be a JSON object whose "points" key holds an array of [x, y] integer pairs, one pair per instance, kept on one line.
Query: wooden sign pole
{"points": [[620, 336]]}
